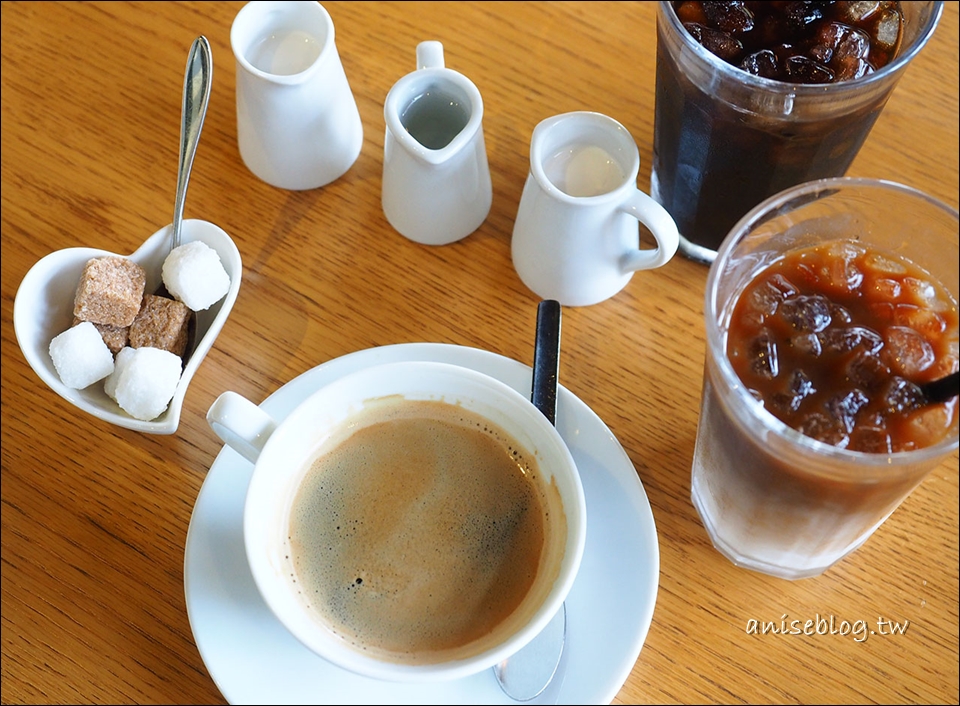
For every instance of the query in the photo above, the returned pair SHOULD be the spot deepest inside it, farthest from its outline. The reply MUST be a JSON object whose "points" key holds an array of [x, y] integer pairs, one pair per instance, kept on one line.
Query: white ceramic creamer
{"points": [[298, 126], [576, 237], [436, 180]]}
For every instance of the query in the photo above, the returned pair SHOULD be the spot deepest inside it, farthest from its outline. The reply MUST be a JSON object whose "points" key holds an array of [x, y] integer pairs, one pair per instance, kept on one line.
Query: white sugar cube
{"points": [[193, 274], [146, 381], [80, 356], [119, 365]]}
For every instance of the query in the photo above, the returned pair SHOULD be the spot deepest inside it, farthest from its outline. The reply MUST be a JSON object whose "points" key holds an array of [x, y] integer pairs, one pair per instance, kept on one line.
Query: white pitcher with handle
{"points": [[436, 180], [576, 237]]}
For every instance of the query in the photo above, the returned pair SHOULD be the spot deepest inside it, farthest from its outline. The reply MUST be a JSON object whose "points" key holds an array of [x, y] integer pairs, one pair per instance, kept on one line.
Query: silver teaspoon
{"points": [[196, 97], [197, 82], [526, 674]]}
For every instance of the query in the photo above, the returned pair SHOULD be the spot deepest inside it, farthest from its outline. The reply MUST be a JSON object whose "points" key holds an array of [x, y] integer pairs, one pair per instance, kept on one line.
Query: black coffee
{"points": [[421, 532]]}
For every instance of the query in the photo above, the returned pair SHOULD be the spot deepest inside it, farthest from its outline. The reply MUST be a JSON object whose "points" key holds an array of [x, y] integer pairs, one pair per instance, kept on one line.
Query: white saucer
{"points": [[253, 660]]}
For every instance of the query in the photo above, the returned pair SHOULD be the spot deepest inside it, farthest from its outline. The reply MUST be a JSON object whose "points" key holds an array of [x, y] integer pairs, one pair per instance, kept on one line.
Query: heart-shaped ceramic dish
{"points": [[44, 309]]}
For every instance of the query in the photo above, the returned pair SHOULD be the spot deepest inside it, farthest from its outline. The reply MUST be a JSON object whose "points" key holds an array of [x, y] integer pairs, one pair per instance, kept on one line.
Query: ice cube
{"points": [[848, 339], [843, 408], [764, 361], [924, 321], [907, 352], [853, 44], [899, 396], [856, 12], [872, 440], [848, 68], [716, 42], [920, 292], [820, 427], [839, 314], [927, 425], [768, 295], [826, 39], [802, 69], [886, 289], [807, 313], [808, 344], [729, 16], [867, 371], [888, 28], [690, 12], [801, 14], [781, 283], [841, 272], [785, 402], [881, 265], [799, 387], [763, 63]]}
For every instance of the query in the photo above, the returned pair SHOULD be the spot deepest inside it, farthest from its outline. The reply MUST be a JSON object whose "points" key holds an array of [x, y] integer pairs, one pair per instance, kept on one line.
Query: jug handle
{"points": [[430, 55], [241, 424], [660, 224]]}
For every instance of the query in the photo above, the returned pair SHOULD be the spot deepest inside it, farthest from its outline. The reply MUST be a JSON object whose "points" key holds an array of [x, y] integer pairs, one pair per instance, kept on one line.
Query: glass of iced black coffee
{"points": [[828, 309], [755, 97]]}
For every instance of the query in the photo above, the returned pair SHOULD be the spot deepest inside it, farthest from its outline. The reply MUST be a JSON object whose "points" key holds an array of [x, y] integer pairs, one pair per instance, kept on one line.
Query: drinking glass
{"points": [[725, 139], [772, 499]]}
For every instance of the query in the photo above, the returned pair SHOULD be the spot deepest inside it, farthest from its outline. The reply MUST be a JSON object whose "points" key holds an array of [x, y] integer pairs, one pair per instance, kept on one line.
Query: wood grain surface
{"points": [[95, 517]]}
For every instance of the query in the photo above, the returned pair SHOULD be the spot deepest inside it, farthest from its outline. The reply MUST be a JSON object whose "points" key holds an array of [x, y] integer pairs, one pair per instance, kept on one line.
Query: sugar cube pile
{"points": [[132, 341]]}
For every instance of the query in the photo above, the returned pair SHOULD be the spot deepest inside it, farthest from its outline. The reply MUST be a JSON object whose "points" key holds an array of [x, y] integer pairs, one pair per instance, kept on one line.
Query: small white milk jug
{"points": [[436, 180]]}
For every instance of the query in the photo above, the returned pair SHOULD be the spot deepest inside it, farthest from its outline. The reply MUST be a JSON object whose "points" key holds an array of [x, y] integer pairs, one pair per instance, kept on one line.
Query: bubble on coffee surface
{"points": [[420, 532]]}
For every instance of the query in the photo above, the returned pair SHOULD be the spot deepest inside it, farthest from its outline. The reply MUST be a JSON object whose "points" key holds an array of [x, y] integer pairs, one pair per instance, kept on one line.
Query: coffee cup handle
{"points": [[660, 224], [241, 424]]}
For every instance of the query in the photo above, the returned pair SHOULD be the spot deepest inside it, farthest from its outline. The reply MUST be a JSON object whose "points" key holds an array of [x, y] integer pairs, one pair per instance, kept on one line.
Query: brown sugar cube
{"points": [[115, 337], [110, 291], [161, 323]]}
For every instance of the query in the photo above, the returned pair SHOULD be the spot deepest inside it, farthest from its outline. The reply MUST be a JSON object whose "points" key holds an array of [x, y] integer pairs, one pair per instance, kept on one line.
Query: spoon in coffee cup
{"points": [[526, 674]]}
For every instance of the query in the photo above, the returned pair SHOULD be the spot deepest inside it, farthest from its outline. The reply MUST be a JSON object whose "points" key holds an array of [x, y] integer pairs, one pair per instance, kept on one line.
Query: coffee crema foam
{"points": [[418, 533]]}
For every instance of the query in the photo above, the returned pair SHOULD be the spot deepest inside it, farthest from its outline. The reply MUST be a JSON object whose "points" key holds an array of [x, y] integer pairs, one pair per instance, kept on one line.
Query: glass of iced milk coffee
{"points": [[828, 307]]}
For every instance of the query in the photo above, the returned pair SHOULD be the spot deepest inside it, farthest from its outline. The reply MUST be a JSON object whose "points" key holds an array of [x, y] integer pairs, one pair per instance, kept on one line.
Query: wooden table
{"points": [[95, 517]]}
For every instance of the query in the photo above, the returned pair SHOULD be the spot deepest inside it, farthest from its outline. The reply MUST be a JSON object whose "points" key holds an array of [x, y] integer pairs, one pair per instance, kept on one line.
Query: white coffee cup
{"points": [[576, 237], [282, 452], [298, 126], [436, 179]]}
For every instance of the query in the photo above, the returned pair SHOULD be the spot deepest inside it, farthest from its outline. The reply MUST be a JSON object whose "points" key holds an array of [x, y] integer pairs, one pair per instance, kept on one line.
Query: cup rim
{"points": [[268, 578], [628, 146], [253, 6], [743, 399], [417, 82], [799, 89]]}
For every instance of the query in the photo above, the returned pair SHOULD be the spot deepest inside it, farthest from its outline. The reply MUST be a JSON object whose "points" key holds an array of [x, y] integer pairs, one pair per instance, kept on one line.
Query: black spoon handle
{"points": [[546, 359], [943, 389]]}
